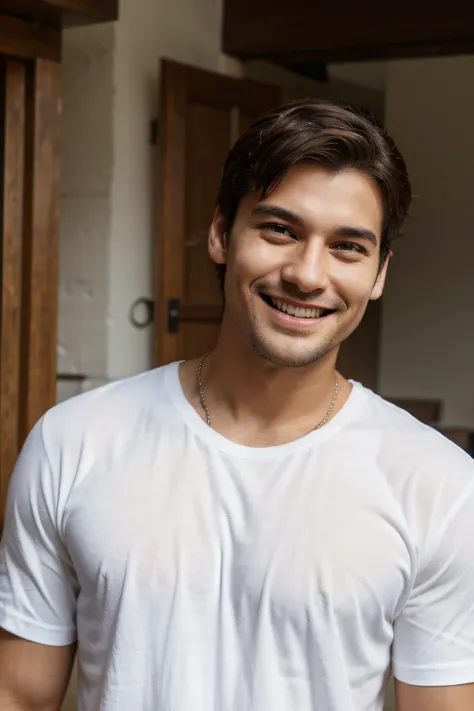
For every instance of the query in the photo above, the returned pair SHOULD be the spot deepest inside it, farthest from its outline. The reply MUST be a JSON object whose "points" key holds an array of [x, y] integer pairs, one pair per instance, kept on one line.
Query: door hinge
{"points": [[174, 313]]}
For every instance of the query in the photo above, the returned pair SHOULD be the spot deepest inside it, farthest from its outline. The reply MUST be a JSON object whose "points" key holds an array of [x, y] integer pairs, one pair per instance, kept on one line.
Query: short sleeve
{"points": [[38, 587], [434, 634]]}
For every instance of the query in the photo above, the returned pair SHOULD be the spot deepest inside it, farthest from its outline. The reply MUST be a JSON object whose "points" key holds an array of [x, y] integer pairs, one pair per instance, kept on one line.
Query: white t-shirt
{"points": [[202, 575]]}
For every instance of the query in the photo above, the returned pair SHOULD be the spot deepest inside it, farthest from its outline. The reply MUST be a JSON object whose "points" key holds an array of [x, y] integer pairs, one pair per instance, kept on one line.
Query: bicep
{"points": [[38, 584], [433, 642], [434, 698], [33, 676]]}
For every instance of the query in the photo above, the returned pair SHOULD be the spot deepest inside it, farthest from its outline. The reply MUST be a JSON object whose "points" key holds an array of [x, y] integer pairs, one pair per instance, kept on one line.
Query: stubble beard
{"points": [[266, 351]]}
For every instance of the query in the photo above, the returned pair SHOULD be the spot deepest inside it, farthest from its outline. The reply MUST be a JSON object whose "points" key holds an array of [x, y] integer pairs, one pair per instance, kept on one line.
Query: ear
{"points": [[217, 242], [379, 285]]}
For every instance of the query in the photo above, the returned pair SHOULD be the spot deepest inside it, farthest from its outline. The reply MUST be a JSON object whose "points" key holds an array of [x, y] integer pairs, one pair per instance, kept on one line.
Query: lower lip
{"points": [[293, 321]]}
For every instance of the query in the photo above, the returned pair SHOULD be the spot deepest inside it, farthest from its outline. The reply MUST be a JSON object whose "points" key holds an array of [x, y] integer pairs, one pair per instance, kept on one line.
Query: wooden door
{"points": [[202, 115], [29, 225]]}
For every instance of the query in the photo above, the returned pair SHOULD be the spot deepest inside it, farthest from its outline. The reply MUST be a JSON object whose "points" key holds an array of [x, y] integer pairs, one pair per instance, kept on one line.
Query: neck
{"points": [[238, 379]]}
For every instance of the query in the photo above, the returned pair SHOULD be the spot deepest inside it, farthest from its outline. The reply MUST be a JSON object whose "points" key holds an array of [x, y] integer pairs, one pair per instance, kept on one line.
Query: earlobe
{"points": [[217, 243]]}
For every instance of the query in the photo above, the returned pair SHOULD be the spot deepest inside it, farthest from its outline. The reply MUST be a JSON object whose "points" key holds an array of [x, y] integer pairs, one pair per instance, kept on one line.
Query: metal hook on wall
{"points": [[147, 307]]}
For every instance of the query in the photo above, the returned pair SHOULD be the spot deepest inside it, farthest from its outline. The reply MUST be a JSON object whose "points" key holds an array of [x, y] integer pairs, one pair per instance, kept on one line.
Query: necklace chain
{"points": [[206, 409]]}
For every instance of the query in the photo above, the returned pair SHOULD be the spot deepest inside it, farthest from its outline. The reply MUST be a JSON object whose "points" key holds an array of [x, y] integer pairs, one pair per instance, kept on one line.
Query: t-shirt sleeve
{"points": [[434, 634], [38, 586]]}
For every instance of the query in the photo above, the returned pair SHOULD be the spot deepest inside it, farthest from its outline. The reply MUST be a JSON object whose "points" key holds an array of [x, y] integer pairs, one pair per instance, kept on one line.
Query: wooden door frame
{"points": [[13, 157], [41, 242], [28, 41], [29, 303], [31, 193]]}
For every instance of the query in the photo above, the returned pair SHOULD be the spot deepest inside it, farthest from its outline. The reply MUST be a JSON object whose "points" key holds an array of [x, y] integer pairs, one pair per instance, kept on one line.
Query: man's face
{"points": [[303, 263]]}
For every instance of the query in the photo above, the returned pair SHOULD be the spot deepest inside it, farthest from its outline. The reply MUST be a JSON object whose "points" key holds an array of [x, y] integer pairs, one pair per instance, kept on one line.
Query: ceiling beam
{"points": [[308, 30], [61, 13], [93, 10], [24, 39]]}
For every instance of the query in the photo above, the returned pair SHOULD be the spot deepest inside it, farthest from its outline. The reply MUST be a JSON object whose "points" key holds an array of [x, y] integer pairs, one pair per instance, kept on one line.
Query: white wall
{"points": [[358, 91], [187, 31], [87, 163], [109, 203], [428, 332]]}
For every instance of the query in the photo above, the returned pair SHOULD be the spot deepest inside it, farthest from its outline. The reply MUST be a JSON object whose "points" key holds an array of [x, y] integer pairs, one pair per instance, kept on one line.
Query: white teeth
{"points": [[297, 311]]}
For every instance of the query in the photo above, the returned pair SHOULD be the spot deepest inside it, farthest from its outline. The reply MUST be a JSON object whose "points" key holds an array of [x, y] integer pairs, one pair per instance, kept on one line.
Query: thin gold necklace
{"points": [[206, 409]]}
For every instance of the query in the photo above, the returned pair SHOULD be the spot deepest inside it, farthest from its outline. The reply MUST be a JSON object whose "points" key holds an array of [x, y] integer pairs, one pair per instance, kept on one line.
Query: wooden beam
{"points": [[59, 13], [86, 10], [41, 238], [306, 30], [105, 9], [11, 263], [26, 40]]}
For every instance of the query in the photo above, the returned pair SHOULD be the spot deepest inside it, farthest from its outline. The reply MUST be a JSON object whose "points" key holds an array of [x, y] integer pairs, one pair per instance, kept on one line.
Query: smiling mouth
{"points": [[295, 311]]}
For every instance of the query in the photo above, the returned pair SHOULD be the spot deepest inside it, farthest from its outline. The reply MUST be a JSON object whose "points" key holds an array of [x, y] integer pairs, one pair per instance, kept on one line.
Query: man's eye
{"points": [[350, 247], [280, 230]]}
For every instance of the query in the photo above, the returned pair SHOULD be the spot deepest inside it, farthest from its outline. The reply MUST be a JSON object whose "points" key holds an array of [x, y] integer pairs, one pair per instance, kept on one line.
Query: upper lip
{"points": [[299, 304]]}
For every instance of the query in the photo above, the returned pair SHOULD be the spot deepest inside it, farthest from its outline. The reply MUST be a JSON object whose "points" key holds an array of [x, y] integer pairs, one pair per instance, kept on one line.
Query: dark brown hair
{"points": [[332, 136]]}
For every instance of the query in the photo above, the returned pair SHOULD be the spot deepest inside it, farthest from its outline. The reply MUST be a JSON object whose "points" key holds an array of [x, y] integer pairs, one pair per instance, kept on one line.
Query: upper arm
{"points": [[38, 585], [433, 645], [33, 676], [434, 698]]}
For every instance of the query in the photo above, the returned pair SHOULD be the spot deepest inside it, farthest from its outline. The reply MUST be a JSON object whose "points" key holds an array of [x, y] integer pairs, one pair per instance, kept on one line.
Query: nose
{"points": [[307, 268]]}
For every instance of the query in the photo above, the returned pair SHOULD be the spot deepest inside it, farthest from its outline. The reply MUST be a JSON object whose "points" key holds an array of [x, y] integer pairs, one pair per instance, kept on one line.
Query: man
{"points": [[250, 531]]}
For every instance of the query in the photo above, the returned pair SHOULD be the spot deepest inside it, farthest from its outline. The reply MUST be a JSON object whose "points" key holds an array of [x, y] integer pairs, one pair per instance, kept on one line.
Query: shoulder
{"points": [[106, 412], [429, 475], [99, 426], [400, 434]]}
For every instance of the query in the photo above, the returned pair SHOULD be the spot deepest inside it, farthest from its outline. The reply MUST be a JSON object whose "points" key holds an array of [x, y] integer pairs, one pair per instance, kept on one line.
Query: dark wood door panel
{"points": [[202, 115], [13, 118]]}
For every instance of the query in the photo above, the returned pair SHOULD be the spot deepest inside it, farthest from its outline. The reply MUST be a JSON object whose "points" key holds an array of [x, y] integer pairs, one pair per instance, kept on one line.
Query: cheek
{"points": [[255, 259], [354, 283]]}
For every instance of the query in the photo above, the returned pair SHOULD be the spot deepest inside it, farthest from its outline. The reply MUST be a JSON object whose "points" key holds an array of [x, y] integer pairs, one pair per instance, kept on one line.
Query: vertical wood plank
{"points": [[11, 276], [170, 252], [197, 107], [41, 239]]}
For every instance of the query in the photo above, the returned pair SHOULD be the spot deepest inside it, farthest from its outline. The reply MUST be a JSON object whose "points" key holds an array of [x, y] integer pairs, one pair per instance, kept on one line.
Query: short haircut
{"points": [[334, 137]]}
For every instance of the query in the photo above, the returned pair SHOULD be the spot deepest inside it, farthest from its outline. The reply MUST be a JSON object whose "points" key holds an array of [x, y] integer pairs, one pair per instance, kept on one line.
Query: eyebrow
{"points": [[267, 210]]}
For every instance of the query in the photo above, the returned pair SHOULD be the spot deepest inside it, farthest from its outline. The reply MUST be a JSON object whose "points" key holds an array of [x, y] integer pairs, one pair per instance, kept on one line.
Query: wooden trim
{"points": [[61, 13], [171, 249], [304, 30], [40, 296], [217, 90], [94, 10], [12, 237], [27, 40]]}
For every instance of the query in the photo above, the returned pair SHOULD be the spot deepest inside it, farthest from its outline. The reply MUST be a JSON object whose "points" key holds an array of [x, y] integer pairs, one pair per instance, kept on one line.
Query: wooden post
{"points": [[40, 263], [13, 140]]}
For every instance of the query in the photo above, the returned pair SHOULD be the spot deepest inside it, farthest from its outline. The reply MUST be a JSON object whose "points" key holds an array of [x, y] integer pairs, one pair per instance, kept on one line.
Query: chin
{"points": [[290, 357]]}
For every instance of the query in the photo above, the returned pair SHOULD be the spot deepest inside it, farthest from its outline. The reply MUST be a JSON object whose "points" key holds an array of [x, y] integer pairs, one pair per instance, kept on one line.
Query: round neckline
{"points": [[199, 427]]}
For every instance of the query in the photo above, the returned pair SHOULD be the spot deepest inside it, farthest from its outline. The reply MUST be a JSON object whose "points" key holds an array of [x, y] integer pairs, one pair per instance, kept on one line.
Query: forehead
{"points": [[322, 198]]}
